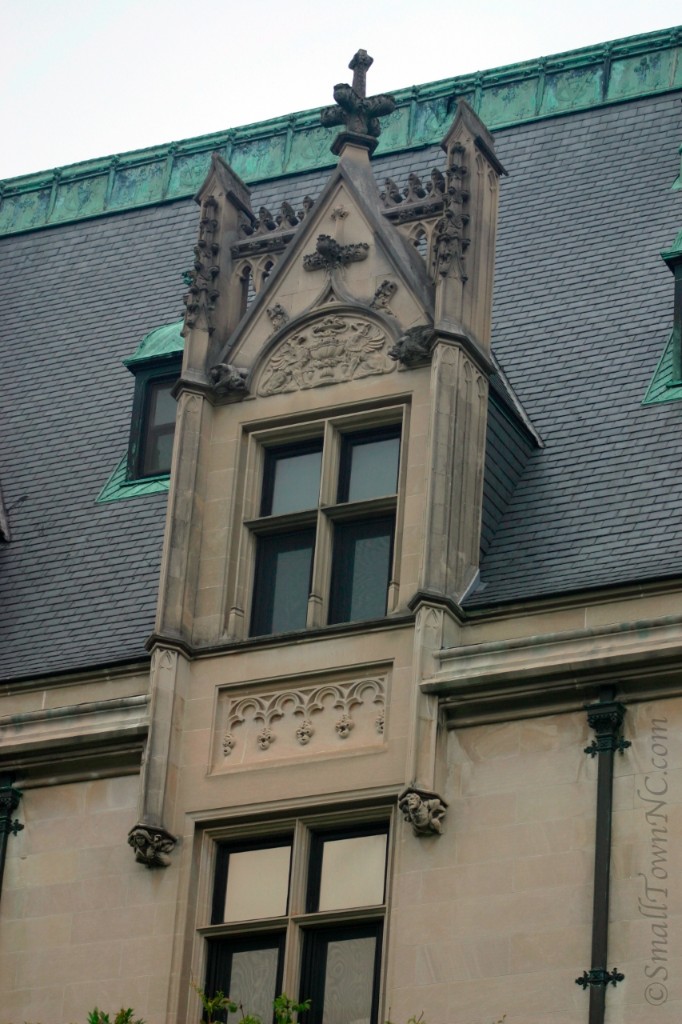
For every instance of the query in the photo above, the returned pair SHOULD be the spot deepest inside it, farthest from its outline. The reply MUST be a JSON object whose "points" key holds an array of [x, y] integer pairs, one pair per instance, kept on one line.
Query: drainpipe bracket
{"points": [[599, 976]]}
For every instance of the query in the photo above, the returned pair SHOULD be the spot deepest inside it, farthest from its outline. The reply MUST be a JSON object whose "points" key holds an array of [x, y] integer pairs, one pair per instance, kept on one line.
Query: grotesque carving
{"points": [[383, 296], [424, 810], [330, 351], [228, 379], [151, 844], [329, 254], [415, 346], [278, 315], [201, 298], [355, 110]]}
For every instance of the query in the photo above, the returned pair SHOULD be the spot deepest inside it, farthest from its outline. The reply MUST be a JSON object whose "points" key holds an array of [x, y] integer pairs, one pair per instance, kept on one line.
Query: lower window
{"points": [[301, 913]]}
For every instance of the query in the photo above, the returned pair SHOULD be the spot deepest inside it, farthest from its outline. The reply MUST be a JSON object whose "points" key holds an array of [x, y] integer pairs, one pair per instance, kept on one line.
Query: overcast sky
{"points": [[89, 78]]}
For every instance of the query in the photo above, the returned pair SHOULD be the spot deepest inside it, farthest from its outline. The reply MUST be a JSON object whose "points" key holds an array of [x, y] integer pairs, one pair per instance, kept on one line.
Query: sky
{"points": [[90, 78]]}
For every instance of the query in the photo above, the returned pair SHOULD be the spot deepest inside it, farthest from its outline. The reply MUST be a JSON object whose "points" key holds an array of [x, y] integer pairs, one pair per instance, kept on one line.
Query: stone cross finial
{"points": [[359, 113]]}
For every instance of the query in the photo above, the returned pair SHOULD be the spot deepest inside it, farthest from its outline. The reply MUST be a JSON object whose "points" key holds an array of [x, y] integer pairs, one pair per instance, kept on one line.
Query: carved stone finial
{"points": [[423, 809], [415, 346], [355, 110], [151, 844], [228, 379]]}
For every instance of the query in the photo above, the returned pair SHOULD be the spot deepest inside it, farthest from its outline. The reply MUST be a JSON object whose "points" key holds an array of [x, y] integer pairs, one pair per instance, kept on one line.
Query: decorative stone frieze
{"points": [[328, 716], [151, 844], [415, 346], [330, 350], [329, 254], [423, 809]]}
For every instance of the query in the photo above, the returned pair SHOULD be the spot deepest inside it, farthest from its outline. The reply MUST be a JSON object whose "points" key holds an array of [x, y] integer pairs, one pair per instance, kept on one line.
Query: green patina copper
{"points": [[593, 76], [663, 387], [118, 487], [162, 342]]}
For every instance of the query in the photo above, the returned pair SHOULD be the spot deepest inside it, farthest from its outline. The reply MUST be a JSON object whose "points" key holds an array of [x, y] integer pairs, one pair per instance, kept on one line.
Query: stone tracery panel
{"points": [[334, 348], [331, 717]]}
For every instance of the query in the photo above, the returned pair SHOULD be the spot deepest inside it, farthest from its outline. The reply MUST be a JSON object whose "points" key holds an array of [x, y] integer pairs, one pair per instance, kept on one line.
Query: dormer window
{"points": [[156, 367], [153, 425]]}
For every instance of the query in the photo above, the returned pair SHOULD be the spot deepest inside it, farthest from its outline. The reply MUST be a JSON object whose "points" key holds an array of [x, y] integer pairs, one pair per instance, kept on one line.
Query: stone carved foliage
{"points": [[330, 254], [314, 716], [151, 844], [450, 242], [201, 298], [333, 349], [424, 810]]}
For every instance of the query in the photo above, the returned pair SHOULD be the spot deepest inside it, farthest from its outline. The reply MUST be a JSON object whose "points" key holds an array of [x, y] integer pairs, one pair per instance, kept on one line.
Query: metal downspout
{"points": [[9, 801], [606, 718]]}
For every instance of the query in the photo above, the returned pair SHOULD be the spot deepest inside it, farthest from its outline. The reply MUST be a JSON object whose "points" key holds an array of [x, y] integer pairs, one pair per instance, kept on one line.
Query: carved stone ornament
{"points": [[329, 254], [415, 346], [331, 350], [228, 379], [201, 298], [450, 243], [305, 717], [424, 810], [383, 296], [151, 844], [278, 315], [355, 110]]}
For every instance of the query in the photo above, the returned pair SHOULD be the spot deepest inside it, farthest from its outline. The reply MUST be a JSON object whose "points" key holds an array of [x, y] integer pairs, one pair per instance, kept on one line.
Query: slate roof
{"points": [[583, 309]]}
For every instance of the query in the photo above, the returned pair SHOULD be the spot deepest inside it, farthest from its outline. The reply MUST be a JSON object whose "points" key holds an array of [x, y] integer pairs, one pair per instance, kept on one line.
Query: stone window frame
{"points": [[299, 926], [331, 426]]}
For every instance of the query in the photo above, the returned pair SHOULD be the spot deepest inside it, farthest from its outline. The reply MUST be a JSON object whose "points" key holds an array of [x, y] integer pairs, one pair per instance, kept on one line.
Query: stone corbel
{"points": [[423, 809], [415, 346], [152, 844]]}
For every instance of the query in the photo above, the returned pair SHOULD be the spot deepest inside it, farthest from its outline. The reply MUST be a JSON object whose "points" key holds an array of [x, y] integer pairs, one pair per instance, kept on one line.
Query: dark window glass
{"points": [[158, 428], [361, 569], [369, 465], [249, 970], [340, 974], [283, 570], [291, 482]]}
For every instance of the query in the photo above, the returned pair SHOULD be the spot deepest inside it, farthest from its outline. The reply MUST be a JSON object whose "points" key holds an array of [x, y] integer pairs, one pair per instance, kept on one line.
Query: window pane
{"points": [[349, 981], [353, 872], [257, 883], [283, 568], [361, 569], [248, 969], [253, 981], [157, 439], [371, 467], [292, 479]]}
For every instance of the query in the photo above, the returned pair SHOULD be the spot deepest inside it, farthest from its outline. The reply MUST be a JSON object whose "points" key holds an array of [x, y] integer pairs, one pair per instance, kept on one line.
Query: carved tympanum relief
{"points": [[335, 348], [329, 717]]}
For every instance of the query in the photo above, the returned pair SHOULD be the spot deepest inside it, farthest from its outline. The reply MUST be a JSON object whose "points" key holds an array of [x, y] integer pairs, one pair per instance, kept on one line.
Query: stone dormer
{"points": [[329, 326]]}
